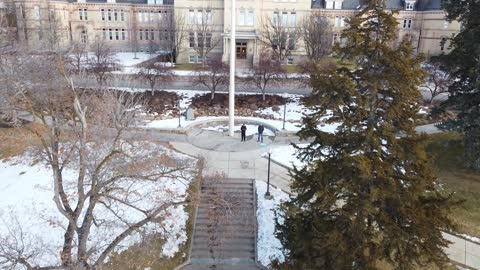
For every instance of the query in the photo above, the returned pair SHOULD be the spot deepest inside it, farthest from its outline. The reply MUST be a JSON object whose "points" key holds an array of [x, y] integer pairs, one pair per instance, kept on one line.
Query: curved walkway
{"points": [[246, 161]]}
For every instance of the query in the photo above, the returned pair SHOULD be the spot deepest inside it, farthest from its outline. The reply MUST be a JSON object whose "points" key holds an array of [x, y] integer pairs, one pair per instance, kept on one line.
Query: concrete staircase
{"points": [[225, 227]]}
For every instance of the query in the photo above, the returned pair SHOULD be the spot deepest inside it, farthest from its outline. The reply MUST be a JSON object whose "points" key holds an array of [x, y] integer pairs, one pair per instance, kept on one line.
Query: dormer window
{"points": [[409, 5], [333, 4]]}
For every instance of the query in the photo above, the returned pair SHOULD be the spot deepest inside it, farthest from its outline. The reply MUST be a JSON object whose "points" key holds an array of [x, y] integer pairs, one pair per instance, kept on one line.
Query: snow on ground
{"points": [[126, 59], [286, 155], [268, 246], [251, 130], [471, 238], [28, 211]]}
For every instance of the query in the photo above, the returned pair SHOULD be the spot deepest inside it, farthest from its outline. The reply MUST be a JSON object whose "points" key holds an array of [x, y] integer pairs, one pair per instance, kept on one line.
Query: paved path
{"points": [[251, 164]]}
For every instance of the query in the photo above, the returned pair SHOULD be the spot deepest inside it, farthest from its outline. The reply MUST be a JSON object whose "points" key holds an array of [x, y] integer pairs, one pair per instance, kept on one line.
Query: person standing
{"points": [[261, 128], [243, 129]]}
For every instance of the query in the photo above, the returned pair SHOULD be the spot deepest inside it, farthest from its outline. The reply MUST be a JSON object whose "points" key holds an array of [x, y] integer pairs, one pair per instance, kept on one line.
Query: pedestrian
{"points": [[261, 128], [243, 129]]}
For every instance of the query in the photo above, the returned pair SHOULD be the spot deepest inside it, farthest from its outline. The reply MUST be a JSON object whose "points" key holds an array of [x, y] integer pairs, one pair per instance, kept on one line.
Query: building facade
{"points": [[149, 25]]}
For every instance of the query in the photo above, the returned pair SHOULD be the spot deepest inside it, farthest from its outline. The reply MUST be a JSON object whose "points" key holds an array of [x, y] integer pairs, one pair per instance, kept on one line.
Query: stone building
{"points": [[147, 25]]}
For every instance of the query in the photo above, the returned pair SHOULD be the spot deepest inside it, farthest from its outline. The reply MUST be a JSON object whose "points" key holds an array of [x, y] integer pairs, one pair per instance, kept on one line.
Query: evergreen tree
{"points": [[464, 63], [367, 196]]}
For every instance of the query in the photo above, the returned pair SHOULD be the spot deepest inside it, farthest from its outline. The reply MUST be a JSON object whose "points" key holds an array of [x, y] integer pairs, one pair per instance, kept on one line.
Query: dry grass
{"points": [[447, 151], [14, 141]]}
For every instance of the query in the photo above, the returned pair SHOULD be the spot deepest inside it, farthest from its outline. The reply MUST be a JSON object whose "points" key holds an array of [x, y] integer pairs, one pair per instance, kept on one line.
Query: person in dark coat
{"points": [[261, 128], [243, 129]]}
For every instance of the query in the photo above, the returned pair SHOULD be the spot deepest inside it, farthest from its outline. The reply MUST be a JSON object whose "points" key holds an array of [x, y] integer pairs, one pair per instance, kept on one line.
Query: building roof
{"points": [[421, 5], [139, 2]]}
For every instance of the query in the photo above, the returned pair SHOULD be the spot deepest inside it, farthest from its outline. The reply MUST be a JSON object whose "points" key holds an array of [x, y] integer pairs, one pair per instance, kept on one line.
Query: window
{"points": [[442, 43], [250, 18], [146, 34], [141, 34], [342, 21], [199, 59], [407, 23], [104, 33], [103, 14], [409, 6], [336, 21], [109, 14], [275, 18], [110, 34], [284, 18], [140, 16], [335, 37], [117, 37], [85, 14], [80, 13], [37, 12], [191, 39], [123, 34], [152, 34], [191, 16], [200, 42], [289, 61], [160, 16], [291, 42], [122, 15], [208, 13], [191, 59], [446, 24], [83, 37], [199, 16], [208, 40], [293, 19], [241, 18], [115, 15]]}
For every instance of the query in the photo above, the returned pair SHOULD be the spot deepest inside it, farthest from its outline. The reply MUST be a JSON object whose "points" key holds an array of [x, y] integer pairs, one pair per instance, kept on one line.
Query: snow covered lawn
{"points": [[27, 211], [286, 155], [268, 246]]}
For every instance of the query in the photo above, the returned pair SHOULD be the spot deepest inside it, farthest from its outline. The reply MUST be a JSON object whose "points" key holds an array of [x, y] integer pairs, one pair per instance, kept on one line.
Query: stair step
{"points": [[203, 253], [250, 241]]}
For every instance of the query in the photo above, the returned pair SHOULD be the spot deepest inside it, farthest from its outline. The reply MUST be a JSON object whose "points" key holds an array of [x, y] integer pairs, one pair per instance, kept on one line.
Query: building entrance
{"points": [[241, 49]]}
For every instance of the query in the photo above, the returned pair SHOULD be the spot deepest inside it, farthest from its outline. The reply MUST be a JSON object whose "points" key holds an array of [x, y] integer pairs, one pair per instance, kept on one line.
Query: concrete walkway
{"points": [[251, 164]]}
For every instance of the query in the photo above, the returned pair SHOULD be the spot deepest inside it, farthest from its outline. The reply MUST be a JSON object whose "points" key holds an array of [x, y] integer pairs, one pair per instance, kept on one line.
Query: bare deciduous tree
{"points": [[177, 34], [78, 58], [267, 72], [102, 62], [207, 38], [214, 76], [279, 37], [86, 134], [7, 24], [317, 35], [154, 72], [437, 80]]}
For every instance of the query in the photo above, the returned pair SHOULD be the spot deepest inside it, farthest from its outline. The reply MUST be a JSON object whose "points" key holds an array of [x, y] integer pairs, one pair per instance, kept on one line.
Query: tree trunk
{"points": [[66, 254], [213, 95]]}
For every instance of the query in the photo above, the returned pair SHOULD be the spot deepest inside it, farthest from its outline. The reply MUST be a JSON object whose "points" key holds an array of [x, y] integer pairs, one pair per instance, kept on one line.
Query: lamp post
{"points": [[284, 110], [269, 154]]}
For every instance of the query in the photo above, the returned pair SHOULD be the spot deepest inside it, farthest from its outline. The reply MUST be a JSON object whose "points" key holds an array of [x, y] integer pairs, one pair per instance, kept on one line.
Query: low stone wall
{"points": [[224, 121]]}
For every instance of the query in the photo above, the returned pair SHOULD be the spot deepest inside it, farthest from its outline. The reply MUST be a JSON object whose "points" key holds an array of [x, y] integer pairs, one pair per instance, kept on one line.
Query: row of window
{"points": [[151, 16], [200, 16], [149, 34], [283, 18], [114, 34], [112, 15], [201, 39]]}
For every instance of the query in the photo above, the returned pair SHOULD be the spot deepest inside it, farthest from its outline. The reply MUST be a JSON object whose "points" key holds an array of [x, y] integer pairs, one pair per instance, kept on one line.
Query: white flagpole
{"points": [[231, 90]]}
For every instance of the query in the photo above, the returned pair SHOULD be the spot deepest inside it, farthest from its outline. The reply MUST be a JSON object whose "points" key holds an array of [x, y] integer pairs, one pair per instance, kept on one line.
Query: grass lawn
{"points": [[187, 66], [447, 150]]}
